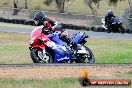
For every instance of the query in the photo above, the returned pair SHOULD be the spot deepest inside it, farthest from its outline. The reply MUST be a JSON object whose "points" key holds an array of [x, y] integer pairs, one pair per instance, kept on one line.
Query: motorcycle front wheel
{"points": [[38, 57]]}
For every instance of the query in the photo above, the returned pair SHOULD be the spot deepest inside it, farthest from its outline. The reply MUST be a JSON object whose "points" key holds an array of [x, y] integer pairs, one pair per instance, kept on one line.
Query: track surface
{"points": [[43, 65], [90, 33]]}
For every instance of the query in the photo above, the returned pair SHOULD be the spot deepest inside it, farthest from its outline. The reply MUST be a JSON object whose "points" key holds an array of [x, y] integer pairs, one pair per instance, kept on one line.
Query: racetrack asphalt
{"points": [[90, 33]]}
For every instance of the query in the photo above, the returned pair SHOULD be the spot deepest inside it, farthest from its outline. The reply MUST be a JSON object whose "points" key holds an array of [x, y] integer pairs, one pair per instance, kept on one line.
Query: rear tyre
{"points": [[108, 30], [38, 57], [90, 59], [122, 29], [102, 30]]}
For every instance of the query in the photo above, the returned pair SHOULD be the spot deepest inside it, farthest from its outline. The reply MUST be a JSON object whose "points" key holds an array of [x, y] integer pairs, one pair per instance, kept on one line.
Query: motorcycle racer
{"points": [[108, 18], [51, 24], [41, 19]]}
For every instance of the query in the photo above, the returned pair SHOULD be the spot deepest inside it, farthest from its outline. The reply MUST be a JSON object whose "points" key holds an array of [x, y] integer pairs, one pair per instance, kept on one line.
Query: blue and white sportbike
{"points": [[49, 48]]}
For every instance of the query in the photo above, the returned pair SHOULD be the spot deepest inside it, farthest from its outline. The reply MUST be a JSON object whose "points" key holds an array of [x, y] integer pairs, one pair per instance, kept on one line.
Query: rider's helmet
{"points": [[39, 18], [110, 13]]}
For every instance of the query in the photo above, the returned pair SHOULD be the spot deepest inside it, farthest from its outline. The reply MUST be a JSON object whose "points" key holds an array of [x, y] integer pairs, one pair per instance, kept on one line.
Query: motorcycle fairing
{"points": [[103, 24], [61, 55], [36, 31], [39, 46], [78, 37], [60, 52], [56, 38]]}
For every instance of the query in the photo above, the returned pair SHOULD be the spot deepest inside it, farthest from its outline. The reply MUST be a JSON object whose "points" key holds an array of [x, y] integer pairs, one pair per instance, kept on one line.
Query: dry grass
{"points": [[74, 6], [14, 48]]}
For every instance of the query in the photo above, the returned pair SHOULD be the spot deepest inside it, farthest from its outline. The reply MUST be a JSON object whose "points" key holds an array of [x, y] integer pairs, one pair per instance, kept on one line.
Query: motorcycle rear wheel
{"points": [[36, 59], [89, 59], [108, 30], [122, 29]]}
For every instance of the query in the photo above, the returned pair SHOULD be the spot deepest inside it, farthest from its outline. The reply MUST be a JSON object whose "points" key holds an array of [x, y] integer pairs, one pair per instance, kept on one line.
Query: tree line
{"points": [[60, 4]]}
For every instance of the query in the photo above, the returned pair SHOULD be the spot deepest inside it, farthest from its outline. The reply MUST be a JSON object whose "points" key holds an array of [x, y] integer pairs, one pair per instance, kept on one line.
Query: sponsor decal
{"points": [[86, 81], [65, 58]]}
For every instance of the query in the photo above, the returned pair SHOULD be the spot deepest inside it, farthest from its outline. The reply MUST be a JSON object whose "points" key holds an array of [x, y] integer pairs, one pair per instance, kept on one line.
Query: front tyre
{"points": [[38, 57]]}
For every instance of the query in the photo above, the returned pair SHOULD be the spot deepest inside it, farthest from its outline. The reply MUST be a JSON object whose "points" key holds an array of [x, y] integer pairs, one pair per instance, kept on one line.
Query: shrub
{"points": [[37, 7]]}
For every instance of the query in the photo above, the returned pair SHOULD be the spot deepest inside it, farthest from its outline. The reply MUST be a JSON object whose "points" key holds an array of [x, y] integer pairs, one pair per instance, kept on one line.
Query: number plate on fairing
{"points": [[60, 48], [50, 44], [54, 46]]}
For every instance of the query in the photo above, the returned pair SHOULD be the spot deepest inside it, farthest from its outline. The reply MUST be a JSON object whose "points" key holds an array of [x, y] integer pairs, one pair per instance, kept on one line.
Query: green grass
{"points": [[111, 50], [35, 83], [54, 83], [14, 50], [14, 54]]}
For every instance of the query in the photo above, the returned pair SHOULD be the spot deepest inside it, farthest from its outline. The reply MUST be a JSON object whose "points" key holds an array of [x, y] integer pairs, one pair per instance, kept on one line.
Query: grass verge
{"points": [[111, 50], [34, 83], [14, 48], [54, 83]]}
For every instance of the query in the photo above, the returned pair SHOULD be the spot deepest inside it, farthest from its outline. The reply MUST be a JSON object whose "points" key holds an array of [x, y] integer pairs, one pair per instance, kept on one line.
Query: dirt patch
{"points": [[42, 72]]}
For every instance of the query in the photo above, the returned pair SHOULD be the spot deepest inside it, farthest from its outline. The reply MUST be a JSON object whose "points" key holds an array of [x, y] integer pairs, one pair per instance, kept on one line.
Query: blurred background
{"points": [[77, 12]]}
